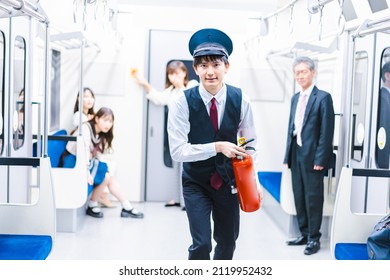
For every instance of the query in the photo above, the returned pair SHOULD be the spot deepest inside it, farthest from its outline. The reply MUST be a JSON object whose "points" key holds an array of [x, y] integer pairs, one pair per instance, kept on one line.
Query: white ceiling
{"points": [[262, 7]]}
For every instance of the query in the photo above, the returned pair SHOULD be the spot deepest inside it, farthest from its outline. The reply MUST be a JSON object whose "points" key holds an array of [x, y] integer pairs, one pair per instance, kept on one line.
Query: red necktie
{"points": [[215, 180], [214, 114]]}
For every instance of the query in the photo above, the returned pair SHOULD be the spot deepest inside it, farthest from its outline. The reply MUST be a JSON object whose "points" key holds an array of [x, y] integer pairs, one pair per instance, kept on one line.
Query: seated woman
{"points": [[98, 136], [87, 115]]}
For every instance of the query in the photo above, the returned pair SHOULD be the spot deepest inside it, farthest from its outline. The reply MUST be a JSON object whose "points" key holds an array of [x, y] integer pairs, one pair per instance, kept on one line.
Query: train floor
{"points": [[164, 235]]}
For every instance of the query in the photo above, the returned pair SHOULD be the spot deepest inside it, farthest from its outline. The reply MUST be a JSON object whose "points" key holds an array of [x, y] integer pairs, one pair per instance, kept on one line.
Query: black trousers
{"points": [[308, 189], [202, 203]]}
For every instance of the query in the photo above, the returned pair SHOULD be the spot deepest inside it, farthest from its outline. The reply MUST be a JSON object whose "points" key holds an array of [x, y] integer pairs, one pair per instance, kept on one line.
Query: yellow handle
{"points": [[241, 140]]}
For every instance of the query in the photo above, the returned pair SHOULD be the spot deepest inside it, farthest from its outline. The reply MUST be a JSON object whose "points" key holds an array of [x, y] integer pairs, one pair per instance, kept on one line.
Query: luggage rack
{"points": [[73, 40]]}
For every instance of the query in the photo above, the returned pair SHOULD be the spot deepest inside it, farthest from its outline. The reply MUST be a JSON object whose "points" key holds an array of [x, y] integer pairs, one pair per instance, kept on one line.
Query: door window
{"points": [[382, 148]]}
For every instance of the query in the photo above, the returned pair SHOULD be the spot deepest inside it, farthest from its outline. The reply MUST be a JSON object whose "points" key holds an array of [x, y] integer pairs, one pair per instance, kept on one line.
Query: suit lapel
{"points": [[294, 105]]}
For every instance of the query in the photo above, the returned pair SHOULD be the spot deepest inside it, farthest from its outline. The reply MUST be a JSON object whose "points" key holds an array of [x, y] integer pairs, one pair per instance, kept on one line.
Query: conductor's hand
{"points": [[230, 150]]}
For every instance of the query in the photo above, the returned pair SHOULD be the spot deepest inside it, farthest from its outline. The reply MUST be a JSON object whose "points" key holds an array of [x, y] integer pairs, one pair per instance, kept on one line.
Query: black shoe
{"points": [[312, 247], [94, 212], [132, 214], [172, 204], [301, 240]]}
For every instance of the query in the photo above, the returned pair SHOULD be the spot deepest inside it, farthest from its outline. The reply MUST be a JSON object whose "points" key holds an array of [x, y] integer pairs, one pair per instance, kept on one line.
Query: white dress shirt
{"points": [[306, 92], [179, 126]]}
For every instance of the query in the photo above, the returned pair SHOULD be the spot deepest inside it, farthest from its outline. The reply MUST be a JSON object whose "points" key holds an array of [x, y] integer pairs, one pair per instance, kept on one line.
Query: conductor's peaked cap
{"points": [[210, 42]]}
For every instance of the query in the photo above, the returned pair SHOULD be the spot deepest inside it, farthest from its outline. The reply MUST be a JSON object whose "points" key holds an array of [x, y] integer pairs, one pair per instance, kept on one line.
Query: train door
{"points": [[369, 194], [380, 148], [382, 79], [162, 180]]}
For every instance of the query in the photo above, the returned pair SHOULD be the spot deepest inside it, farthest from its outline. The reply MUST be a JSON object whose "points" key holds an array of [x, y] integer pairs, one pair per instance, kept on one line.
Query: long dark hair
{"points": [[76, 105], [104, 137]]}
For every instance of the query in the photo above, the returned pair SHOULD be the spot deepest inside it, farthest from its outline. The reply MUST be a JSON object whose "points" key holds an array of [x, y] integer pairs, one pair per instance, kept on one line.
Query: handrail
{"points": [[47, 91], [59, 137], [366, 172], [368, 27], [27, 7], [20, 161]]}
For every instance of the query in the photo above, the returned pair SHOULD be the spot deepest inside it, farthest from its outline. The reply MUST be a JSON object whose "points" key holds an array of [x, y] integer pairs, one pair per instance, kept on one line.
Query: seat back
{"points": [[70, 184], [349, 229]]}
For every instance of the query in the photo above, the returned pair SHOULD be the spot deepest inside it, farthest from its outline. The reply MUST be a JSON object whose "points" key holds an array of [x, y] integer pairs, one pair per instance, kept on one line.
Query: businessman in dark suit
{"points": [[309, 152], [383, 149]]}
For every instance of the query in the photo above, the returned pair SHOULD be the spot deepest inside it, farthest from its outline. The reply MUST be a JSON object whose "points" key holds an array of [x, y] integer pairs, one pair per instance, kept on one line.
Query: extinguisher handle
{"points": [[246, 142]]}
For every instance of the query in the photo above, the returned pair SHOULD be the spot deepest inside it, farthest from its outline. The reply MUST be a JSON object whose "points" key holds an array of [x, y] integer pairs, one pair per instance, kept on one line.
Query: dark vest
{"points": [[202, 132]]}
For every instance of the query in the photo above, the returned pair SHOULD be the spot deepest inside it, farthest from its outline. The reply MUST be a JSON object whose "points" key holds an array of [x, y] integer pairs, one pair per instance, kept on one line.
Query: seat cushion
{"points": [[271, 182], [55, 148], [24, 247], [351, 251]]}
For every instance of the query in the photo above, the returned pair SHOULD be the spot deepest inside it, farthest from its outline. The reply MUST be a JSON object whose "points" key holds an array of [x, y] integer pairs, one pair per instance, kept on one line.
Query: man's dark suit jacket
{"points": [[317, 130]]}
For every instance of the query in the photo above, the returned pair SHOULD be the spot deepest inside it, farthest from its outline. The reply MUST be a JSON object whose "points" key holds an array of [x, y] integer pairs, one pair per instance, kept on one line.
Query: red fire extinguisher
{"points": [[245, 178]]}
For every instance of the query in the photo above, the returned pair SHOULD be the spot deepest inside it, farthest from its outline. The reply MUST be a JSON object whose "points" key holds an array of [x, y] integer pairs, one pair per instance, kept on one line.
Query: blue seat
{"points": [[25, 247], [351, 251], [55, 148], [271, 182]]}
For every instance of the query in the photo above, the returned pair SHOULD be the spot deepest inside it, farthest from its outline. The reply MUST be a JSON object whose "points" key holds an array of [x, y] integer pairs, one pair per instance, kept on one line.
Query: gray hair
{"points": [[304, 59]]}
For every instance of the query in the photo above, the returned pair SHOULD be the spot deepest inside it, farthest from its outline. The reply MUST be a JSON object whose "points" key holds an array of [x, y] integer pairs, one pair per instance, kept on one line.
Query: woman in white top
{"points": [[176, 81], [88, 111]]}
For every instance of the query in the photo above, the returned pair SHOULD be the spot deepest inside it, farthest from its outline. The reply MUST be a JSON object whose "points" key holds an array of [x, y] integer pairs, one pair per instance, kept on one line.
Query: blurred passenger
{"points": [[176, 78], [19, 128], [383, 151], [21, 111], [98, 136], [203, 126], [88, 110], [309, 152]]}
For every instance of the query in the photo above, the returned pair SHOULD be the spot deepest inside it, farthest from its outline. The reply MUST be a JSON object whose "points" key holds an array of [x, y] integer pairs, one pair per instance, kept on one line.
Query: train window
{"points": [[382, 148], [19, 92], [55, 90], [359, 104], [2, 54]]}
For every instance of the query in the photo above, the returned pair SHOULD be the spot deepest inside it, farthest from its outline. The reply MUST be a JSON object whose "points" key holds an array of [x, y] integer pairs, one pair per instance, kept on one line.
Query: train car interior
{"points": [[51, 50]]}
